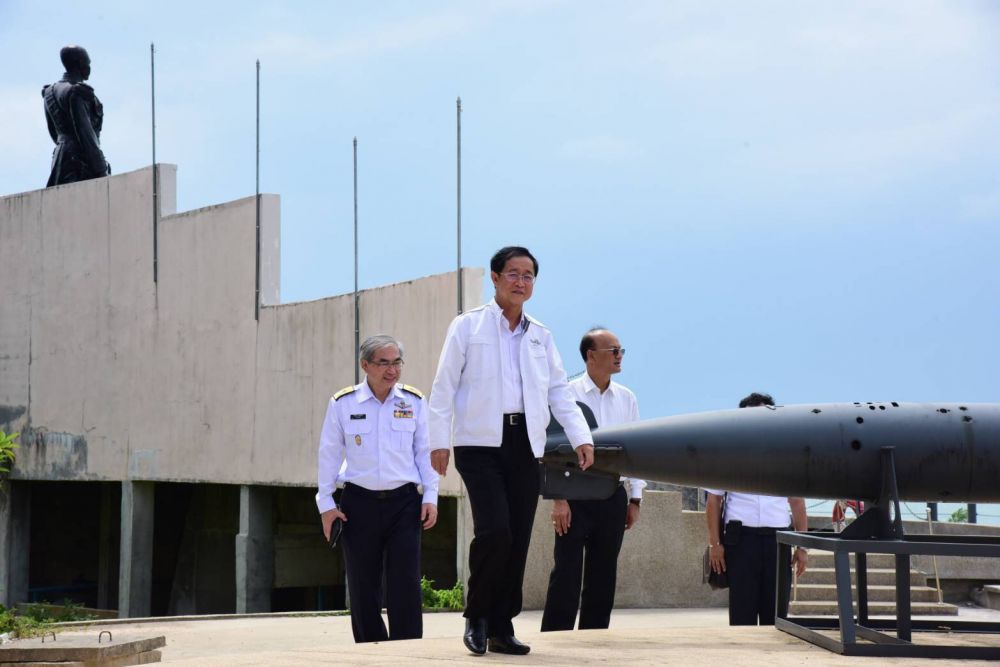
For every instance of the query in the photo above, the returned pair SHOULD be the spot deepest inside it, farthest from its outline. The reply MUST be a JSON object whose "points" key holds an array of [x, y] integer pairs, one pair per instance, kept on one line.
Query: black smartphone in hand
{"points": [[335, 530]]}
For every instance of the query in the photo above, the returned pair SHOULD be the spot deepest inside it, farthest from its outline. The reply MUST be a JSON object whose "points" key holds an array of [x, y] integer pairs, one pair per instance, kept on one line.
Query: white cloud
{"points": [[880, 153]]}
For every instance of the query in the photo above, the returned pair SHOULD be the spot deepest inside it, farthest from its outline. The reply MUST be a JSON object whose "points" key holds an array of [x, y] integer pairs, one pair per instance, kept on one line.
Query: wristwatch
{"points": [[635, 501]]}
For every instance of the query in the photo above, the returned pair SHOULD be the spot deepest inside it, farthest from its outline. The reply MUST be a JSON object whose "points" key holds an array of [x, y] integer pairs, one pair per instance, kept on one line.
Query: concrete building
{"points": [[167, 454], [168, 434]]}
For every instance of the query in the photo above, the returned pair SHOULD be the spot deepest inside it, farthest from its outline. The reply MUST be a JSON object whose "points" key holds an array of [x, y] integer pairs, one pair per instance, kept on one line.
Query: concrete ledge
{"points": [[78, 649]]}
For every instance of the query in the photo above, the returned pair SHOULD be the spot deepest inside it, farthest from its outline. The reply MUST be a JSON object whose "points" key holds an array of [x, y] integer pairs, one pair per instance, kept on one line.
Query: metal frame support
{"points": [[874, 533]]}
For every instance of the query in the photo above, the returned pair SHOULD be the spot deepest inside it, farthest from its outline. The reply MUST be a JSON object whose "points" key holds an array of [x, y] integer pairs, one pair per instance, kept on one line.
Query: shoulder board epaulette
{"points": [[413, 390], [344, 392]]}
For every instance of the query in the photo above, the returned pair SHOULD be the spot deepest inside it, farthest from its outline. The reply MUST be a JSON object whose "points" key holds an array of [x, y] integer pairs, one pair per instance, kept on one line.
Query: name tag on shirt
{"points": [[363, 416]]}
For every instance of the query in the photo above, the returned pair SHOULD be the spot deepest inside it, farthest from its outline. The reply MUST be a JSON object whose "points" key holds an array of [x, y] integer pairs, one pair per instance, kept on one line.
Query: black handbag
{"points": [[716, 580]]}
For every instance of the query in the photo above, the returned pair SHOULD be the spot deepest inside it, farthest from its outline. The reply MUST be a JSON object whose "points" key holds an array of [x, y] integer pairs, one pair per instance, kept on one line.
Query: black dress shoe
{"points": [[508, 644], [475, 635]]}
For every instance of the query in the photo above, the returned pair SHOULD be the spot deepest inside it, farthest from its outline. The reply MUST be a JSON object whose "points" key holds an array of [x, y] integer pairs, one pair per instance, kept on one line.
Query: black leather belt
{"points": [[409, 487], [762, 530], [513, 418]]}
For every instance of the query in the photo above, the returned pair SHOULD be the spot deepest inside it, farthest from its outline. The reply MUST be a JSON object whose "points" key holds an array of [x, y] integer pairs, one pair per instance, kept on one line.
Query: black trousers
{"points": [[382, 534], [502, 483], [588, 552], [752, 565]]}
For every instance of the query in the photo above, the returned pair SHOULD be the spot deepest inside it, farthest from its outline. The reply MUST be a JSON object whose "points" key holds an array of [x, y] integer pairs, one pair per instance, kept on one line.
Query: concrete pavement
{"points": [[636, 637]]}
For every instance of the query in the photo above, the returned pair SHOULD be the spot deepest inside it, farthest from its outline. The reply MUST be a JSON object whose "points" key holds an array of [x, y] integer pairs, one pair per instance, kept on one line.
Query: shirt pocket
{"points": [[539, 364], [482, 358], [358, 427], [402, 430]]}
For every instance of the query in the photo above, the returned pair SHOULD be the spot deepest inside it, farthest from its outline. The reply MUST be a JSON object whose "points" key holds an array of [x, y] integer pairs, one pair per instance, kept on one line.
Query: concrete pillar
{"points": [[108, 551], [15, 532], [463, 539], [254, 551], [135, 573]]}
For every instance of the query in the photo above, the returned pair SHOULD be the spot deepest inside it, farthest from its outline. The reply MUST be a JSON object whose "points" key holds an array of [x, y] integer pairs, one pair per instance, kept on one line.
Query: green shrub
{"points": [[18, 625], [62, 612], [449, 598], [36, 618], [961, 515], [7, 451]]}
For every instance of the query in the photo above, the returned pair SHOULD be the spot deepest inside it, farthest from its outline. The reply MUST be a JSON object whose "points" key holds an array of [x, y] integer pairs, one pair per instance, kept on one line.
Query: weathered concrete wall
{"points": [[112, 377], [660, 562]]}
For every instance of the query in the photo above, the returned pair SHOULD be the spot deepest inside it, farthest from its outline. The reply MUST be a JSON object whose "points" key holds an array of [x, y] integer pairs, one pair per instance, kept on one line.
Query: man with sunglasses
{"points": [[379, 428], [498, 377], [589, 533]]}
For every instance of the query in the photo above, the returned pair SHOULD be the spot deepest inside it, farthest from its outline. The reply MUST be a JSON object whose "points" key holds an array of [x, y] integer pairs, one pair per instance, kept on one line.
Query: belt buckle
{"points": [[512, 419]]}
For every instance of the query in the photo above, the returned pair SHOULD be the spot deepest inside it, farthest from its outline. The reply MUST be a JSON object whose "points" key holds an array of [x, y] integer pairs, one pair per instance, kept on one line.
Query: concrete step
{"points": [[876, 576], [828, 592], [815, 608]]}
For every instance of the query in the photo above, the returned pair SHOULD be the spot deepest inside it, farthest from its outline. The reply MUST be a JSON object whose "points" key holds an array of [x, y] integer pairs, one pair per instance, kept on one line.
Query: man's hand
{"points": [[717, 558], [328, 517], [429, 512], [631, 516], [800, 560], [439, 461], [585, 456], [561, 516]]}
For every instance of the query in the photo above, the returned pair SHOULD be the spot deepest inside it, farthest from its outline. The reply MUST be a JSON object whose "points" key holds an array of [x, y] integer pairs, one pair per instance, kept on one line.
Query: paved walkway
{"points": [[637, 637]]}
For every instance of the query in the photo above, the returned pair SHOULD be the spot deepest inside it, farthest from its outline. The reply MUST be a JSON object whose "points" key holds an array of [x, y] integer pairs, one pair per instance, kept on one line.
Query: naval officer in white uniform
{"points": [[379, 428]]}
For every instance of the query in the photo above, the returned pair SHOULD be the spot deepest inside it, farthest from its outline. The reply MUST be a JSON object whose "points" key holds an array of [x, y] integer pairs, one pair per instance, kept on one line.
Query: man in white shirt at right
{"points": [[747, 551], [597, 526]]}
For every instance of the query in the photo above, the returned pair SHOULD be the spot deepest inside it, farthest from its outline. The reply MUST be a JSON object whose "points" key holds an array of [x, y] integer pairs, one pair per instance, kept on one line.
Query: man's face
{"points": [[514, 284], [385, 368], [602, 359]]}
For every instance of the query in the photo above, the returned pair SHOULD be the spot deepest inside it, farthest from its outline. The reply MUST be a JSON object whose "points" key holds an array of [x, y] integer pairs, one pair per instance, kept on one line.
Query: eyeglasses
{"points": [[514, 276], [398, 363], [615, 351]]}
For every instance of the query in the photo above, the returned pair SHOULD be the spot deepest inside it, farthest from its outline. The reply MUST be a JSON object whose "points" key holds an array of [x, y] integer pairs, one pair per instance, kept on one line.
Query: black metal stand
{"points": [[874, 532]]}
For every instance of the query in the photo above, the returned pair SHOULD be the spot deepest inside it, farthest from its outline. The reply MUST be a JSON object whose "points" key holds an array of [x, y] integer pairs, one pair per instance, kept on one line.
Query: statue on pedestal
{"points": [[75, 117]]}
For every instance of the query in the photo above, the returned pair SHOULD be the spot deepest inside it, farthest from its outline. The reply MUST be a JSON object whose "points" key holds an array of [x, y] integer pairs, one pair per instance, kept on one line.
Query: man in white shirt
{"points": [[747, 551], [498, 377], [379, 428], [596, 527]]}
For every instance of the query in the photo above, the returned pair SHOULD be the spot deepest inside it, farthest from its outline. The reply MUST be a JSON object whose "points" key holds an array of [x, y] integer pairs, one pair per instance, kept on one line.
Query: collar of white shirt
{"points": [[365, 392], [498, 312], [589, 386]]}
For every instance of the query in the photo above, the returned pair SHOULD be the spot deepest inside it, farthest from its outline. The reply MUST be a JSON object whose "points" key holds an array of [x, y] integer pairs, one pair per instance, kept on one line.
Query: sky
{"points": [[797, 198]]}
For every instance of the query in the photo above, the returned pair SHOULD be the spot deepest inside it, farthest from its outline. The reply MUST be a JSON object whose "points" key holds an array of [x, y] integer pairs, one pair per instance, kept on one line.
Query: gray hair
{"points": [[373, 344]]}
